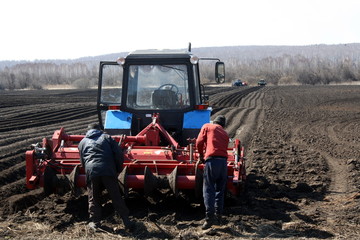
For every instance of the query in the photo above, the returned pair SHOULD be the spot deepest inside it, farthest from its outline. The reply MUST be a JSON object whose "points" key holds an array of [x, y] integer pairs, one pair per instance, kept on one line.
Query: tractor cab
{"points": [[133, 89]]}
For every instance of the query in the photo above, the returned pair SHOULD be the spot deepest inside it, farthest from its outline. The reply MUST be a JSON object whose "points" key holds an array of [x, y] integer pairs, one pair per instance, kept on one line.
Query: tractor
{"points": [[153, 104]]}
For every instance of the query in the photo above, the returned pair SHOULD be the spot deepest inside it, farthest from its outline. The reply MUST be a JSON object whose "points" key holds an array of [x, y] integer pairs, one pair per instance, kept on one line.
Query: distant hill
{"points": [[313, 64], [351, 51], [259, 52]]}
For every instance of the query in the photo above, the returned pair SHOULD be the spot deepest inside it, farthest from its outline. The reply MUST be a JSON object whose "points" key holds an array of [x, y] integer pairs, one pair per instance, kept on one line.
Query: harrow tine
{"points": [[122, 181], [50, 180], [73, 177], [173, 181], [199, 177], [150, 181]]}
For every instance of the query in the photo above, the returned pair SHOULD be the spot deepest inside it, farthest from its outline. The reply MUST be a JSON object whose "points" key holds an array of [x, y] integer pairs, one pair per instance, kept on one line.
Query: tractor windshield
{"points": [[158, 87]]}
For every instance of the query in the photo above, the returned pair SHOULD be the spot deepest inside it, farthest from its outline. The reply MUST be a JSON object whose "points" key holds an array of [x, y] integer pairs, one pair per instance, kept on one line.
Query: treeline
{"points": [[295, 70], [317, 64], [40, 75], [314, 64]]}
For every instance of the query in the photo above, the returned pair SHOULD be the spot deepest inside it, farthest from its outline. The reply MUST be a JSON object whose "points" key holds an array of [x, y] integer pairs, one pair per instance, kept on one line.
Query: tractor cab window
{"points": [[158, 87], [111, 84]]}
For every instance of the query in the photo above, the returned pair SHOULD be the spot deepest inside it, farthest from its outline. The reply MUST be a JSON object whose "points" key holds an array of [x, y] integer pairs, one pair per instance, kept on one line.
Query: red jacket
{"points": [[215, 140]]}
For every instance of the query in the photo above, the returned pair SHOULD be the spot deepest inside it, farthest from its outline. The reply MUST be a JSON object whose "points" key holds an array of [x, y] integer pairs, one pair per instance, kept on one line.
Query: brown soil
{"points": [[303, 163]]}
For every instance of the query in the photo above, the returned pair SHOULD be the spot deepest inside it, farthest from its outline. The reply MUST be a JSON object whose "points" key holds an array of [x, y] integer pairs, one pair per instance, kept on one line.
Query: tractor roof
{"points": [[155, 53]]}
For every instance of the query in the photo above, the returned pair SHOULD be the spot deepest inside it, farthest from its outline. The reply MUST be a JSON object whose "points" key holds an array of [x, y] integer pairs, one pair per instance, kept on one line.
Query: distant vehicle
{"points": [[238, 83], [262, 82]]}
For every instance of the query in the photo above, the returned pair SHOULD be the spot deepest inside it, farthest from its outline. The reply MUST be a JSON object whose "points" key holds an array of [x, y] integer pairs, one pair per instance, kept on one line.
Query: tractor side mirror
{"points": [[205, 98], [220, 72]]}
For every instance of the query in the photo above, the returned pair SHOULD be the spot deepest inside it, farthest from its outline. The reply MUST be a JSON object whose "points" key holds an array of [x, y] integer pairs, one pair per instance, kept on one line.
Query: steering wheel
{"points": [[170, 86]]}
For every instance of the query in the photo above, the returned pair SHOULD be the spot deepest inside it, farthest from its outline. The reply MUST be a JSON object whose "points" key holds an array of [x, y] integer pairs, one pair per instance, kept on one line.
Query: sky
{"points": [[70, 29]]}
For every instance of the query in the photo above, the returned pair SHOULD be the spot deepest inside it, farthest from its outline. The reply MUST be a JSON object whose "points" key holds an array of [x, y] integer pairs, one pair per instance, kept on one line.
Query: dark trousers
{"points": [[215, 178], [95, 187]]}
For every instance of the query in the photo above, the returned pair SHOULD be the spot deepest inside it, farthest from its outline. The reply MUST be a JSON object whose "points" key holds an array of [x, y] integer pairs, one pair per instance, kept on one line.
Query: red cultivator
{"points": [[147, 166]]}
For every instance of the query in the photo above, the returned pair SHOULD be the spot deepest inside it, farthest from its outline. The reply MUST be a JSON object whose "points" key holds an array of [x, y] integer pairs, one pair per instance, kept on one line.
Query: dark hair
{"points": [[94, 126], [221, 120]]}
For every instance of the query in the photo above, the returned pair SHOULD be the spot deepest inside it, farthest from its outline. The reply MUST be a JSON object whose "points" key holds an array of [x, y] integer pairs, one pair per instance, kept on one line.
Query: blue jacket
{"points": [[100, 155]]}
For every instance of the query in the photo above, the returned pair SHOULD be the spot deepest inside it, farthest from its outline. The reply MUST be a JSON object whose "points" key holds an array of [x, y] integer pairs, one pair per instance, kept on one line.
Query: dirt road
{"points": [[303, 164]]}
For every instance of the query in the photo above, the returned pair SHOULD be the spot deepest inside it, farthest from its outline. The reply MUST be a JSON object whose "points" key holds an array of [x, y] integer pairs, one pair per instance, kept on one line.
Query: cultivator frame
{"points": [[55, 163]]}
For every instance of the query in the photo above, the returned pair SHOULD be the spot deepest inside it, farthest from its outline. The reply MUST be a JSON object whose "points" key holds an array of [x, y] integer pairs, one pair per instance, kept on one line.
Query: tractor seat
{"points": [[164, 98]]}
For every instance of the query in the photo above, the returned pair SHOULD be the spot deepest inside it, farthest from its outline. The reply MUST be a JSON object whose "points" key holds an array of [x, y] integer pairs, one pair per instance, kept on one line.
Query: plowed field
{"points": [[303, 164]]}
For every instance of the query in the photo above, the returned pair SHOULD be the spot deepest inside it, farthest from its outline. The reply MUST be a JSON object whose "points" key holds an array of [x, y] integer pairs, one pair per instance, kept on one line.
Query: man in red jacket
{"points": [[213, 140]]}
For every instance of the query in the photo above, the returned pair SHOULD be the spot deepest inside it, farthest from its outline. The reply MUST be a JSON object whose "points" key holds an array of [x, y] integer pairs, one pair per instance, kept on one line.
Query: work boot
{"points": [[219, 220], [209, 221], [94, 226], [129, 225]]}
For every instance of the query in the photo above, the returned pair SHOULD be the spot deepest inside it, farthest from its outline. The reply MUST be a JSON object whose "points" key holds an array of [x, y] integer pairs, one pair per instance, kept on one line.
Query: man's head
{"points": [[94, 126], [221, 120]]}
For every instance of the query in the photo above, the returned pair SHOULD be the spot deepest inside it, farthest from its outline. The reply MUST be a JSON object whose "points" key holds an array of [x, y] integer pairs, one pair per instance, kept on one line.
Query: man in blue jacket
{"points": [[103, 159]]}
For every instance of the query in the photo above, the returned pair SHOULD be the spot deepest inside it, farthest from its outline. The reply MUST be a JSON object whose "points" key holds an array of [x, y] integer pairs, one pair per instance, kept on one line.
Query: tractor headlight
{"points": [[194, 59], [120, 61]]}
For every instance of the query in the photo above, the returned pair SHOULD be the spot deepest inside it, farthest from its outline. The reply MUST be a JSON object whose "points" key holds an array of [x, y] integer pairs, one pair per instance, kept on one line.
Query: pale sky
{"points": [[69, 29]]}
